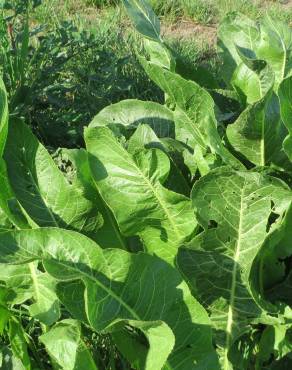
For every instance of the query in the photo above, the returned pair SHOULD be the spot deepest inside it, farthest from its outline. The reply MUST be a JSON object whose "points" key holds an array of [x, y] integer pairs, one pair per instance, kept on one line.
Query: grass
{"points": [[105, 70], [99, 65], [212, 11], [208, 11]]}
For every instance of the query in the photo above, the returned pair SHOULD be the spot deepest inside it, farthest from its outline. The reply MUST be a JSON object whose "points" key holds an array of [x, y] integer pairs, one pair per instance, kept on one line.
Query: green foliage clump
{"points": [[164, 242], [58, 76]]}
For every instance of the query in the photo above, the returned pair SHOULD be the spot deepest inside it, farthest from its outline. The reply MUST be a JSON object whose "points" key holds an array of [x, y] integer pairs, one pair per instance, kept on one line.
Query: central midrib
{"points": [[233, 284]]}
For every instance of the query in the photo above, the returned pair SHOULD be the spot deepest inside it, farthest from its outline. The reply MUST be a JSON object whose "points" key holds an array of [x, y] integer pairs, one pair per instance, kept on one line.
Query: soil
{"points": [[184, 29]]}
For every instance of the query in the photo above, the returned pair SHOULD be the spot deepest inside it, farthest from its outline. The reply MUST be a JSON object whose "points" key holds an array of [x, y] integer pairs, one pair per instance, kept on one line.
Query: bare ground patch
{"points": [[184, 29]]}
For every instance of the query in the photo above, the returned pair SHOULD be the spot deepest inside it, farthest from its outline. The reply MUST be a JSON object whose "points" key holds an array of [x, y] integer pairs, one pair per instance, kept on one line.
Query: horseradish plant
{"points": [[172, 234]]}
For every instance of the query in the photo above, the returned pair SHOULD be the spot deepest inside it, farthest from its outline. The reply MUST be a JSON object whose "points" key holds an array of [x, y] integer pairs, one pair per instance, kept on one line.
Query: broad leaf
{"points": [[271, 273], [65, 345], [145, 138], [108, 235], [159, 54], [143, 17], [8, 202], [162, 218], [18, 282], [270, 41], [194, 116], [160, 339], [275, 46], [253, 78], [26, 282], [130, 113], [258, 134], [276, 342], [120, 286], [46, 307], [9, 361], [18, 342], [236, 30], [247, 84], [234, 209], [127, 115], [41, 188]]}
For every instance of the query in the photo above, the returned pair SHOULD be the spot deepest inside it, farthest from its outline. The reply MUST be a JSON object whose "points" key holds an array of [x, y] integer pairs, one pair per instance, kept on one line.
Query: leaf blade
{"points": [[134, 180]]}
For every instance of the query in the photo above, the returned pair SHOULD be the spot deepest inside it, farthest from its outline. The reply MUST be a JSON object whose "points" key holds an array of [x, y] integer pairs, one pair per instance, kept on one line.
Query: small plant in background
{"points": [[16, 55], [57, 79]]}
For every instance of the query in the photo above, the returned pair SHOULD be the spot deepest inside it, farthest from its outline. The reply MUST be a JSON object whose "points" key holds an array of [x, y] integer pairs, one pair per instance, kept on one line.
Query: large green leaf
{"points": [[159, 337], [17, 279], [285, 96], [247, 84], [65, 345], [143, 17], [275, 343], [26, 283], [46, 307], [18, 342], [271, 41], [130, 113], [258, 134], [8, 202], [275, 46], [118, 287], [161, 217], [145, 138], [159, 53], [236, 30], [127, 115], [41, 188], [194, 116], [109, 235], [10, 362], [271, 273], [253, 78], [234, 208]]}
